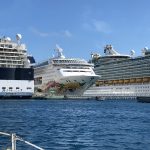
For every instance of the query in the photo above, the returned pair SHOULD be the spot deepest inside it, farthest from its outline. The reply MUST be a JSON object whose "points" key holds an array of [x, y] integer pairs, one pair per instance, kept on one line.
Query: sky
{"points": [[80, 27]]}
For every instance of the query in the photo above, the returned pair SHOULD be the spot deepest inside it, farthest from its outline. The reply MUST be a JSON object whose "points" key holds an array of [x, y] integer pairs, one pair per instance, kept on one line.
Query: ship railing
{"points": [[14, 138]]}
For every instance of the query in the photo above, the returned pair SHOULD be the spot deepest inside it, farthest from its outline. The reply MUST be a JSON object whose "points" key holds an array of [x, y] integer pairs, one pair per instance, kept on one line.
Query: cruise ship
{"points": [[63, 76], [16, 72], [122, 76]]}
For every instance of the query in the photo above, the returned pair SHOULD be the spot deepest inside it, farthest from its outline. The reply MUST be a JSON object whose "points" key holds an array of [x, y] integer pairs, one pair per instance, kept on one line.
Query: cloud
{"points": [[87, 12], [92, 23], [67, 33], [63, 33], [101, 26], [97, 26], [39, 33]]}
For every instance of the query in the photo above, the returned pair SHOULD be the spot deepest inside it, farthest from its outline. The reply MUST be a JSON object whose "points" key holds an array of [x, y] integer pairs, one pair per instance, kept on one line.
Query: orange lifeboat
{"points": [[132, 80], [121, 81], [115, 81], [110, 82], [126, 81], [146, 79], [139, 80]]}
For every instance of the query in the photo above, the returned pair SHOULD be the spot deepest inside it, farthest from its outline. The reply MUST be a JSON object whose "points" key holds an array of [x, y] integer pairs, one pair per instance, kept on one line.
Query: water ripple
{"points": [[77, 125]]}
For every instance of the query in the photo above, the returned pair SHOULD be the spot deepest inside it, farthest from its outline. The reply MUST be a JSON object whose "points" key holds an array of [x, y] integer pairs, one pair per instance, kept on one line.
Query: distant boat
{"points": [[143, 99]]}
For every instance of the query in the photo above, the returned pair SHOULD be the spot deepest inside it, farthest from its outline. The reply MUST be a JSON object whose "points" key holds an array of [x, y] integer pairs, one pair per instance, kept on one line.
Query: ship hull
{"points": [[119, 91], [16, 83], [84, 83], [143, 99], [16, 97], [68, 85], [16, 88]]}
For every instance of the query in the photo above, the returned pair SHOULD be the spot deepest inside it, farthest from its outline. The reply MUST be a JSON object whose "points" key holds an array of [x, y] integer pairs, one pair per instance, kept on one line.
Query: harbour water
{"points": [[77, 124]]}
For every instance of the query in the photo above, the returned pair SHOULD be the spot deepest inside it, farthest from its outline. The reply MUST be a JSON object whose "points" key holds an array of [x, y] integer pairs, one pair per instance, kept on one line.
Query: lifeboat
{"points": [[146, 79], [121, 81], [139, 80], [115, 81], [110, 82], [106, 82], [98, 83], [101, 82], [132, 80], [126, 81]]}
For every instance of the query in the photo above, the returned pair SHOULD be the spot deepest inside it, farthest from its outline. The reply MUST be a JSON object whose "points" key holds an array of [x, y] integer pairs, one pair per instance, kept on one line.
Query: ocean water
{"points": [[76, 124]]}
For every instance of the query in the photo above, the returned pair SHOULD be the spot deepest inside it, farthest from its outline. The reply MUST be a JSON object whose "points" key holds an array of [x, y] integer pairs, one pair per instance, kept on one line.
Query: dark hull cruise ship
{"points": [[16, 73], [123, 76]]}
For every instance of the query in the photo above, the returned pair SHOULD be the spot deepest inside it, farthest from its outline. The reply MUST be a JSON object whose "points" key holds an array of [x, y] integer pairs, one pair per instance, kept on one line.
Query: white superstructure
{"points": [[16, 74], [121, 75], [62, 75]]}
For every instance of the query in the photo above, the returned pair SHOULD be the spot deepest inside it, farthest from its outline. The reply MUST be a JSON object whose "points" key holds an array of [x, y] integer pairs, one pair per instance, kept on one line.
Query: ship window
{"points": [[38, 80], [3, 88], [28, 88], [10, 46], [6, 46], [17, 87], [10, 88]]}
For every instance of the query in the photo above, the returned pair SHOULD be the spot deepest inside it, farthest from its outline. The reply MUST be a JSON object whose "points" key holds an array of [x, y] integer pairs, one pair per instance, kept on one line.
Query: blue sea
{"points": [[76, 124]]}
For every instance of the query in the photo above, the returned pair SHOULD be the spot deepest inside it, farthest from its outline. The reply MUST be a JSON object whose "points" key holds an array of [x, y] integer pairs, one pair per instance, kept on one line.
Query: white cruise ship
{"points": [[122, 76], [16, 73], [63, 76]]}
